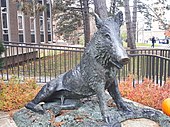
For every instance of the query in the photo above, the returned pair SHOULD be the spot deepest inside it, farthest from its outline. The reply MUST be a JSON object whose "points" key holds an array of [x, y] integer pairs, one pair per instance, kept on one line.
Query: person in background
{"points": [[153, 41]]}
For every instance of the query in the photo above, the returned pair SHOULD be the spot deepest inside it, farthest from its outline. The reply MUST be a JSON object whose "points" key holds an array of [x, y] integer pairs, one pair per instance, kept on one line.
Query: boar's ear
{"points": [[98, 21], [119, 18]]}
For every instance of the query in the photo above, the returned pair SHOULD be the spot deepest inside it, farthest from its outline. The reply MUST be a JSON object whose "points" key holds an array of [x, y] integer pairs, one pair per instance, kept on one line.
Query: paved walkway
{"points": [[6, 120]]}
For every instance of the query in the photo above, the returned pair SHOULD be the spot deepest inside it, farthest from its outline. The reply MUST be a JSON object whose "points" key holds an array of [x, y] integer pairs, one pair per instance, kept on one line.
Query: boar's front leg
{"points": [[100, 92], [115, 94]]}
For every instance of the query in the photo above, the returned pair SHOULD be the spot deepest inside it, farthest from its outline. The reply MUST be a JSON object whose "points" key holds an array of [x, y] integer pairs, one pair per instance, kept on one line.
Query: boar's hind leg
{"points": [[115, 94], [46, 91]]}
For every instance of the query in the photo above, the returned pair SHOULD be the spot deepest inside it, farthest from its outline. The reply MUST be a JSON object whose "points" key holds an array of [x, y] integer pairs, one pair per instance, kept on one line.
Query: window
{"points": [[4, 22], [40, 1], [20, 23], [41, 29], [20, 26], [48, 24], [32, 29], [32, 23], [5, 37], [5, 31], [3, 3], [48, 10], [49, 36], [42, 37], [21, 38], [32, 38], [4, 19], [41, 24], [4, 9]]}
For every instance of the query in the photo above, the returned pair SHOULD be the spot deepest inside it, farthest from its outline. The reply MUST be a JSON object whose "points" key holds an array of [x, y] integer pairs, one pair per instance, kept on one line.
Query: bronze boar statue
{"points": [[102, 58]]}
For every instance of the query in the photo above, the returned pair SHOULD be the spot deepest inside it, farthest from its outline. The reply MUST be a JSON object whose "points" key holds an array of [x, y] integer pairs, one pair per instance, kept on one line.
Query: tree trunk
{"points": [[101, 8], [134, 20], [130, 39], [86, 21]]}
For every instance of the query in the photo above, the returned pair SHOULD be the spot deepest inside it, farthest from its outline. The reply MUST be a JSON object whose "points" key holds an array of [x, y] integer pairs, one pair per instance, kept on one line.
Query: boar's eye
{"points": [[107, 36]]}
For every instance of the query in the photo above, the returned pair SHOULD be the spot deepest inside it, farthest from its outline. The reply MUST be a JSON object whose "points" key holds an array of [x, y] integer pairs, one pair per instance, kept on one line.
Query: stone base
{"points": [[88, 115], [142, 122]]}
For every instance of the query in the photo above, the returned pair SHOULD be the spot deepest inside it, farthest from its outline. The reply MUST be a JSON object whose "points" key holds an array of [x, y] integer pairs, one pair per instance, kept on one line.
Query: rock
{"points": [[27, 118], [88, 115]]}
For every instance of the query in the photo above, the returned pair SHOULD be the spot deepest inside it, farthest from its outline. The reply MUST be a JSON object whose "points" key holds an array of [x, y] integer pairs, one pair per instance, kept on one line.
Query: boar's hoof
{"points": [[111, 122], [125, 106], [36, 108]]}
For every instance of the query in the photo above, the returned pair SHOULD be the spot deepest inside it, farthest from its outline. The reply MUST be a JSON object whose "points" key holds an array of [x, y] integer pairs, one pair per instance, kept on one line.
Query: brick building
{"points": [[18, 27]]}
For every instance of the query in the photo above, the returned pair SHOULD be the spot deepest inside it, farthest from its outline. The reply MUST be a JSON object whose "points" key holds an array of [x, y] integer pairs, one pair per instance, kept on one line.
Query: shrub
{"points": [[147, 92], [14, 94]]}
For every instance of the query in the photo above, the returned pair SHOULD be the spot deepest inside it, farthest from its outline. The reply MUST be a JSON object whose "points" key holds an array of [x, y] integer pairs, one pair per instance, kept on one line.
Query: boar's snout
{"points": [[124, 60], [120, 54]]}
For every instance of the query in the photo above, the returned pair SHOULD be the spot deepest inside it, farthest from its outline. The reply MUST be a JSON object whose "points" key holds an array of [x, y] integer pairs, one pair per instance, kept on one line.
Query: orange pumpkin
{"points": [[166, 106]]}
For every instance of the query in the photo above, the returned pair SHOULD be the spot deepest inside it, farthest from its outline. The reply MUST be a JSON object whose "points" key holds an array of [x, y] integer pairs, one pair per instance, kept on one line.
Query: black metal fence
{"points": [[42, 62], [46, 62], [154, 67]]}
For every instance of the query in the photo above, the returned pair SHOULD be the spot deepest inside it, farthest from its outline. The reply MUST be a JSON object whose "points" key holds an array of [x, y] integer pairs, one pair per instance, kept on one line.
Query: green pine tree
{"points": [[68, 17]]}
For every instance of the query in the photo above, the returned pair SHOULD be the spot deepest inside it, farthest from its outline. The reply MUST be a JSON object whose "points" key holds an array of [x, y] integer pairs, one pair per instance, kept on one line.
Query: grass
{"points": [[148, 45], [51, 65]]}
